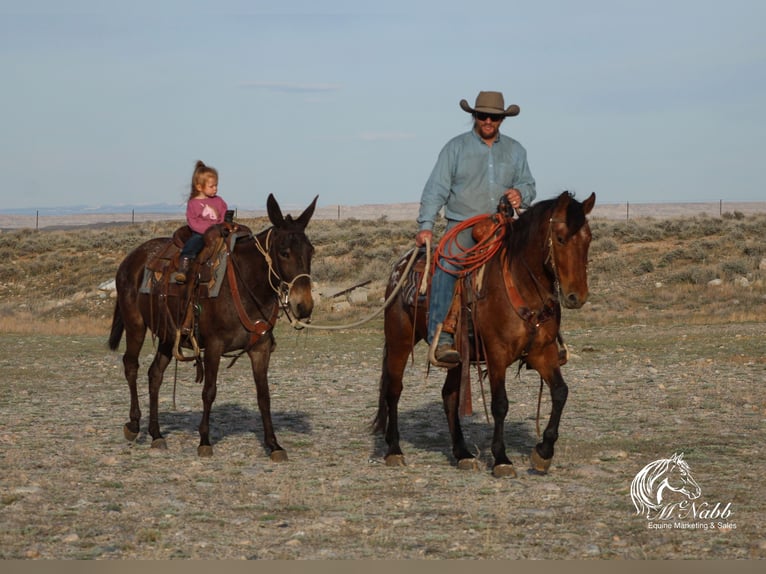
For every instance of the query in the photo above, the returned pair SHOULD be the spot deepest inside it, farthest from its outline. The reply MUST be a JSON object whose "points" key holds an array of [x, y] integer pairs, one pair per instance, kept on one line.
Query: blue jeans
{"points": [[443, 285], [193, 245]]}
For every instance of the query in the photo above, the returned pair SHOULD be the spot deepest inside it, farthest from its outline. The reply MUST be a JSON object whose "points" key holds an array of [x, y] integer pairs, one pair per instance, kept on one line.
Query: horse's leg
{"points": [[156, 371], [212, 359], [259, 360], [451, 400], [542, 454], [502, 465], [395, 357]]}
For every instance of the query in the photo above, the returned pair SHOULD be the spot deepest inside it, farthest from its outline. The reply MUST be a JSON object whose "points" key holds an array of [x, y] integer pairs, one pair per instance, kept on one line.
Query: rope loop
{"points": [[469, 259]]}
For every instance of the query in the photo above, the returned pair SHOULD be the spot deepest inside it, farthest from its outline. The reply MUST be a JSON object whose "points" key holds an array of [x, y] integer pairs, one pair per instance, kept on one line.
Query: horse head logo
{"points": [[667, 474]]}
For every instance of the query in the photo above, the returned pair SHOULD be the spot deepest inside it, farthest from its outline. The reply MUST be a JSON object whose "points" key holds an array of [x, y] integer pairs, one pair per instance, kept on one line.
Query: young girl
{"points": [[203, 209]]}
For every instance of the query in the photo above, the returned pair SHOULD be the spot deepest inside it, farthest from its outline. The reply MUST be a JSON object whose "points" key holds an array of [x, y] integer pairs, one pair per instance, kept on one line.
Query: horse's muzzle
{"points": [[573, 300]]}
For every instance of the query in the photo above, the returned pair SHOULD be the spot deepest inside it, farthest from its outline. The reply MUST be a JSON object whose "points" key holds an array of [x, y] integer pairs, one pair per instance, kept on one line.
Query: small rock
{"points": [[612, 455], [592, 550]]}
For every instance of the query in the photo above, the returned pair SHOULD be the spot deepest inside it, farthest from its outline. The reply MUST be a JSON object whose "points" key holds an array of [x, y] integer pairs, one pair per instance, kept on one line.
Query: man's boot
{"points": [[183, 269], [445, 349]]}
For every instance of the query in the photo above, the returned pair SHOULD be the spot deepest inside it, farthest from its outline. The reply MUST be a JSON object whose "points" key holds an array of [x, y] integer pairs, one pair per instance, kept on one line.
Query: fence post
{"points": [[627, 211]]}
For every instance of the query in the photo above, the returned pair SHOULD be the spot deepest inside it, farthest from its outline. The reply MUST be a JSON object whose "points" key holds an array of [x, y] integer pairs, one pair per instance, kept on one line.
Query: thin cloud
{"points": [[291, 88]]}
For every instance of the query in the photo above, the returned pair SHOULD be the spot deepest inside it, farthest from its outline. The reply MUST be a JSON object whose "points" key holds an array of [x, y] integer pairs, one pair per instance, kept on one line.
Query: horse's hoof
{"points": [[468, 464], [504, 471], [205, 450], [395, 460], [539, 464], [160, 444], [278, 456], [130, 436]]}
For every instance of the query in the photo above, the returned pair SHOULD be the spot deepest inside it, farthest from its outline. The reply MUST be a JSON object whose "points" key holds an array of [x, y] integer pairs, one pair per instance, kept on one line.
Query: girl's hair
{"points": [[201, 173]]}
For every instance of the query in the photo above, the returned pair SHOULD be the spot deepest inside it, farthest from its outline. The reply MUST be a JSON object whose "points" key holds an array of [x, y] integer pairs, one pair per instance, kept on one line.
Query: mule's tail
{"points": [[118, 327]]}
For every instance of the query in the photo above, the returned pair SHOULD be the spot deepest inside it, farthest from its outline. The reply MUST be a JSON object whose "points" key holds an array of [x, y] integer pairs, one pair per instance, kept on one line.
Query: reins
{"points": [[298, 324]]}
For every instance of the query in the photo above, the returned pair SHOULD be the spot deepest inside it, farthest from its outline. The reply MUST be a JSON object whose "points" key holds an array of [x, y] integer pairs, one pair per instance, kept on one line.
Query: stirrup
{"points": [[432, 351]]}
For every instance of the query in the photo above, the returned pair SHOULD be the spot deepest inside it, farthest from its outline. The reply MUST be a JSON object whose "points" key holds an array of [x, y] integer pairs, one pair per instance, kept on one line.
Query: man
{"points": [[473, 171]]}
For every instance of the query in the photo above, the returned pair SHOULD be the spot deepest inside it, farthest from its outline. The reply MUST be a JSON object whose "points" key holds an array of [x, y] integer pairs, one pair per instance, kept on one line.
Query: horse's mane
{"points": [[528, 223]]}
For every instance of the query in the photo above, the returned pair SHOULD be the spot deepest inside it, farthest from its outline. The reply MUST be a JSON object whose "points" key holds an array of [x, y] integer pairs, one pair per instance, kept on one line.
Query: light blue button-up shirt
{"points": [[470, 177]]}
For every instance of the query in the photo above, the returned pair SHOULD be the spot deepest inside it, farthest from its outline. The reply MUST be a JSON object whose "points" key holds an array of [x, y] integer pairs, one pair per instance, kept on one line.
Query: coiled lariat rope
{"points": [[469, 259]]}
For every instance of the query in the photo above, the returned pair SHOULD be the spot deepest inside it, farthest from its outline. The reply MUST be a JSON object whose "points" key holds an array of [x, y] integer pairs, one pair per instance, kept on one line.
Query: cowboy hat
{"points": [[490, 103]]}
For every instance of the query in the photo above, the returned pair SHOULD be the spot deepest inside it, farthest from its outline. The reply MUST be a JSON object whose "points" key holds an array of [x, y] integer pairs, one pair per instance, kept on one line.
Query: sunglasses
{"points": [[482, 116]]}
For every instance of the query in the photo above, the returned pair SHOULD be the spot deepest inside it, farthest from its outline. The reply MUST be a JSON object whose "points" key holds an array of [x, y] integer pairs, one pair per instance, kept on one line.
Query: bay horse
{"points": [[515, 315], [265, 273]]}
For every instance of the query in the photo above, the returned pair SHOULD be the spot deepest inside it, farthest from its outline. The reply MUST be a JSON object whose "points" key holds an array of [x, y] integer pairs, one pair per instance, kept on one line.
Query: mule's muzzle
{"points": [[303, 311]]}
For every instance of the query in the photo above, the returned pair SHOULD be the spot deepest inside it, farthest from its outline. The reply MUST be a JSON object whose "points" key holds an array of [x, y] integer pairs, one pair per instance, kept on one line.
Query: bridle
{"points": [[279, 286], [551, 258]]}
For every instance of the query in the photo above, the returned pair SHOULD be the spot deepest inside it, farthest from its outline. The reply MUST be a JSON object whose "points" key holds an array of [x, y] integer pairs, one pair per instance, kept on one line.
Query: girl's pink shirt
{"points": [[203, 212]]}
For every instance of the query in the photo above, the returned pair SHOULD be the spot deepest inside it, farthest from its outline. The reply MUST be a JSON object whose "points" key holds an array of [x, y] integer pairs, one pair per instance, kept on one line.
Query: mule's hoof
{"points": [[160, 444], [468, 464], [130, 436], [538, 463], [205, 450], [278, 456], [504, 471], [395, 460]]}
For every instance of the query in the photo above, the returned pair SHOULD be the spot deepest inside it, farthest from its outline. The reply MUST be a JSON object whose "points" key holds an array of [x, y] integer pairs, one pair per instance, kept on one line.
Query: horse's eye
{"points": [[560, 240], [285, 253]]}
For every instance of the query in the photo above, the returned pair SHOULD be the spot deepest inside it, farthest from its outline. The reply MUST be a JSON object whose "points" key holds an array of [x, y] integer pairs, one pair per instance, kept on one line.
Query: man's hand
{"points": [[423, 236], [514, 197]]}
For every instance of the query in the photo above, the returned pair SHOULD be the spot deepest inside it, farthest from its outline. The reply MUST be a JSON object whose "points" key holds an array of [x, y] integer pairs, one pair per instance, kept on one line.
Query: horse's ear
{"points": [[560, 209], [303, 220], [587, 205], [274, 211]]}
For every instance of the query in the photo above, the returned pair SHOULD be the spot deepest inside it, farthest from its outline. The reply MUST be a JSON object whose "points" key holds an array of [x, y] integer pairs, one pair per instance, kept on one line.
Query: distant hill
{"points": [[58, 217]]}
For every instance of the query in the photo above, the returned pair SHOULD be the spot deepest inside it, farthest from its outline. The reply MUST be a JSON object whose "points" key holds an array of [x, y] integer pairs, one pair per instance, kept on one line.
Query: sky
{"points": [[110, 103]]}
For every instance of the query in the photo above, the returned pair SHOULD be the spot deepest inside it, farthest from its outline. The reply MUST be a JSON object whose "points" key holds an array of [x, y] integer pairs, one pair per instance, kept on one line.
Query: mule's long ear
{"points": [[303, 220], [274, 211], [587, 205]]}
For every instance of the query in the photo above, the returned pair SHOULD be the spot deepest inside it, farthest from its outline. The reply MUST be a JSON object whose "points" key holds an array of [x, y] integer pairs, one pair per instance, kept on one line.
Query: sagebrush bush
{"points": [[693, 275], [735, 268]]}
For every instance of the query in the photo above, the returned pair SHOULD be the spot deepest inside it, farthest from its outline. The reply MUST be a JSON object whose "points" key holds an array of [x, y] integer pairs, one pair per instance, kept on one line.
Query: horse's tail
{"points": [[118, 327], [379, 423]]}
